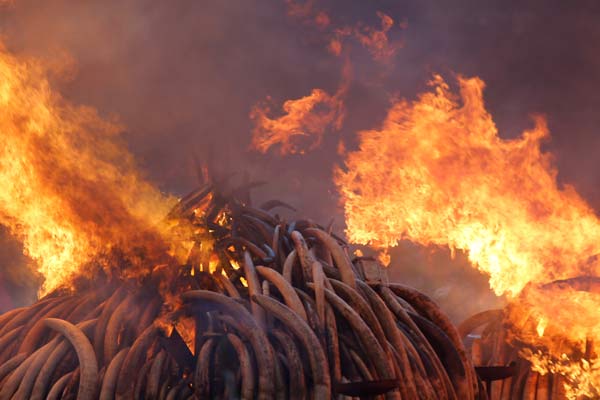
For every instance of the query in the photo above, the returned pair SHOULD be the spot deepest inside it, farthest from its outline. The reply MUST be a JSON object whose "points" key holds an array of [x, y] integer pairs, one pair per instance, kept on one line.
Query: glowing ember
{"points": [[437, 173]]}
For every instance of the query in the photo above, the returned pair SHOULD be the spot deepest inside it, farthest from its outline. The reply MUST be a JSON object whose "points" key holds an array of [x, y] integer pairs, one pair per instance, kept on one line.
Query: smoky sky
{"points": [[182, 77]]}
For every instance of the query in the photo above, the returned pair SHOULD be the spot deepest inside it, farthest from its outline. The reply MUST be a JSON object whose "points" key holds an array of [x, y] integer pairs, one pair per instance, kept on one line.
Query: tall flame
{"points": [[70, 190], [437, 173]]}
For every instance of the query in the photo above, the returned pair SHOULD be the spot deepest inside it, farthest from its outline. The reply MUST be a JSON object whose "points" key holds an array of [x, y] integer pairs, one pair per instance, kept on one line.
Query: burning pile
{"points": [[498, 338], [444, 177], [261, 308]]}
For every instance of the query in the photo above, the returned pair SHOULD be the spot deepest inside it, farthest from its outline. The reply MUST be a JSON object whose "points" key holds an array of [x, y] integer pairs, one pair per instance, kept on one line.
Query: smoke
{"points": [[183, 75]]}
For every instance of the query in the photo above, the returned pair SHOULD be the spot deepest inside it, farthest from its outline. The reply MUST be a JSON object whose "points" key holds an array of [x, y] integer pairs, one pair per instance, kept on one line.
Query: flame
{"points": [[541, 326], [234, 264], [375, 40], [308, 117], [437, 173], [581, 376], [70, 190], [384, 258]]}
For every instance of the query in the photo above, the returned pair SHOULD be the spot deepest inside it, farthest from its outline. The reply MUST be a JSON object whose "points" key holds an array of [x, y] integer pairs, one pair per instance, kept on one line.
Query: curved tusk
{"points": [[306, 258], [152, 385], [133, 361], [88, 364], [57, 389], [290, 297], [246, 368], [253, 288], [256, 336], [297, 386], [339, 257], [317, 358], [288, 266], [109, 382]]}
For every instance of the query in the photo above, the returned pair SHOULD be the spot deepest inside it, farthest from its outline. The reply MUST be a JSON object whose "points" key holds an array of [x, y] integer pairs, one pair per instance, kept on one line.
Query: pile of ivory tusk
{"points": [[296, 319]]}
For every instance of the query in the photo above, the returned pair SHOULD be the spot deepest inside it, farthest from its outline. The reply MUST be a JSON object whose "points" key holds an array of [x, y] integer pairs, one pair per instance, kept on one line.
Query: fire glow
{"points": [[436, 173], [70, 190], [442, 176]]}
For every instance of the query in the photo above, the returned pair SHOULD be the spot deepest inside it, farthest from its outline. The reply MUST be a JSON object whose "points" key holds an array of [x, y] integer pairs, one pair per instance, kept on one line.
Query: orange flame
{"points": [[307, 118], [70, 190], [437, 173]]}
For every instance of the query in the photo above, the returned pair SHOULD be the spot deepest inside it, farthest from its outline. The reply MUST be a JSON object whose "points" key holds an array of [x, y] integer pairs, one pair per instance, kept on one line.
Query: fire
{"points": [[376, 40], [70, 190], [309, 118], [582, 376], [437, 173]]}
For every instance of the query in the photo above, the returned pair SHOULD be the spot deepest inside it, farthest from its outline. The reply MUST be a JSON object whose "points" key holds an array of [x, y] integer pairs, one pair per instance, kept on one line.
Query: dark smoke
{"points": [[183, 75]]}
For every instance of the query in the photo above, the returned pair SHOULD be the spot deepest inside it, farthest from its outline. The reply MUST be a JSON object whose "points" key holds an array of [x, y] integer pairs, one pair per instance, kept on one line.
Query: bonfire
{"points": [[261, 308]]}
